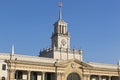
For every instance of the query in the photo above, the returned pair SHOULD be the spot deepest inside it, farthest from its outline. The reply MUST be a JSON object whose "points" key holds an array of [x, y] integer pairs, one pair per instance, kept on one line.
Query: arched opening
{"points": [[73, 76], [3, 78]]}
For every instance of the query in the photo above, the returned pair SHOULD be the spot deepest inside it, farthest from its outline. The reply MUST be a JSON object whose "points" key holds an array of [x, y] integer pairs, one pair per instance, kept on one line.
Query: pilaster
{"points": [[59, 76], [43, 75], [109, 77], [86, 77], [28, 75], [99, 76], [11, 74]]}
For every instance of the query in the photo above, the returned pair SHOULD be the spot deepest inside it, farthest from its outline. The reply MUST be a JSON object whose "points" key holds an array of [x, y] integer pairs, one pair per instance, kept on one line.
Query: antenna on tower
{"points": [[60, 12]]}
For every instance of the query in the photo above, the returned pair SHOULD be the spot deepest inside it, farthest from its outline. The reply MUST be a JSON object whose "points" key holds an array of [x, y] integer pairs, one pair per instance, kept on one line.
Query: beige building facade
{"points": [[59, 62], [22, 67]]}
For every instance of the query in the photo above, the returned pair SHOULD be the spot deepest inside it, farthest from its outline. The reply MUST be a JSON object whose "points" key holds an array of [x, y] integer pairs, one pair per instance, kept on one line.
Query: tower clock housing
{"points": [[60, 37], [60, 41]]}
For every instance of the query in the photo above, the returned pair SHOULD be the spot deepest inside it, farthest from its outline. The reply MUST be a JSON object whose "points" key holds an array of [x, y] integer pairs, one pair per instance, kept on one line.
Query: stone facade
{"points": [[38, 68], [3, 69]]}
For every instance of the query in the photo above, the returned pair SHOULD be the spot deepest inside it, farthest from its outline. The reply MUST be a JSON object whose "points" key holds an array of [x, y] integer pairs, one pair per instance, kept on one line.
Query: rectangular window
{"points": [[3, 66]]}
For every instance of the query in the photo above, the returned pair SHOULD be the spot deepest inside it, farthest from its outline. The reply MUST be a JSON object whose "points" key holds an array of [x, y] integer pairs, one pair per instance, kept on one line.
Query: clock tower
{"points": [[60, 37], [60, 41]]}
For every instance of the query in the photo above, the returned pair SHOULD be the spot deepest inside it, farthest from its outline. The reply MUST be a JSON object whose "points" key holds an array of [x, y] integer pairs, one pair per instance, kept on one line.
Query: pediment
{"points": [[71, 62]]}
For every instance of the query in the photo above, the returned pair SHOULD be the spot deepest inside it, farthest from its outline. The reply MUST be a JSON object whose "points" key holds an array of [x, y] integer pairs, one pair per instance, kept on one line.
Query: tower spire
{"points": [[60, 11]]}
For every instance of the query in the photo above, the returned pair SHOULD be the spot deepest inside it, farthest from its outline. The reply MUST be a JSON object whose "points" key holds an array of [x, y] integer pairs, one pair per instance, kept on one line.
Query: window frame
{"points": [[4, 67]]}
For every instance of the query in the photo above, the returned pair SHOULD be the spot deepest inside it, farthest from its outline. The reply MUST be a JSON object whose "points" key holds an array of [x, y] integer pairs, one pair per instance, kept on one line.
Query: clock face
{"points": [[63, 41]]}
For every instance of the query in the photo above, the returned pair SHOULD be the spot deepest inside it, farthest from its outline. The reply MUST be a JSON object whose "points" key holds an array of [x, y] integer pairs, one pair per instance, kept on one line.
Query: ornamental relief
{"points": [[73, 67]]}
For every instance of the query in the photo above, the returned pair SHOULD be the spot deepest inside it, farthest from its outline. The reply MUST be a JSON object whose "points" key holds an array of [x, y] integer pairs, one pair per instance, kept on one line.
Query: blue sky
{"points": [[94, 26]]}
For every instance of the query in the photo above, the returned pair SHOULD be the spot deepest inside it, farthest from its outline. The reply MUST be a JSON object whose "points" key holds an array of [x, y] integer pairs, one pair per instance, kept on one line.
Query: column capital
{"points": [[11, 70], [58, 73], [28, 71], [87, 75], [43, 72]]}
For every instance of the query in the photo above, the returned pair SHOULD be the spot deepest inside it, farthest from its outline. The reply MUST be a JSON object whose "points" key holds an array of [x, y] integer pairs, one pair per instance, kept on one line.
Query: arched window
{"points": [[73, 76], [3, 78]]}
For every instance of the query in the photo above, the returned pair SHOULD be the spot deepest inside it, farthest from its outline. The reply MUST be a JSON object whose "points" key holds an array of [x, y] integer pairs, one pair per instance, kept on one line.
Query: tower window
{"points": [[3, 66]]}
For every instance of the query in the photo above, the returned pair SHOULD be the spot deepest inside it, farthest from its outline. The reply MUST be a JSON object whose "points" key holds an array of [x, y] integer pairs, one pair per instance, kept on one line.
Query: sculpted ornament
{"points": [[63, 41], [73, 65]]}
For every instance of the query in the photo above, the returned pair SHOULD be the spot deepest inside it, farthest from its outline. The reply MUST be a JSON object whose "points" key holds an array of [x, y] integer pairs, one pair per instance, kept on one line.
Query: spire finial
{"points": [[119, 63], [60, 12], [12, 49]]}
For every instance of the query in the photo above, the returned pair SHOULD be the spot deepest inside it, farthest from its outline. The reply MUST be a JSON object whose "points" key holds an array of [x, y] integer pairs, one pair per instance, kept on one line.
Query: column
{"points": [[99, 77], [28, 75], [88, 77], [109, 77], [11, 74], [43, 75]]}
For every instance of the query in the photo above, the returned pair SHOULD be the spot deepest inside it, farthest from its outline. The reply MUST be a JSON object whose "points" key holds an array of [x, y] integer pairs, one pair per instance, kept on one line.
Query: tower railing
{"points": [[70, 51]]}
